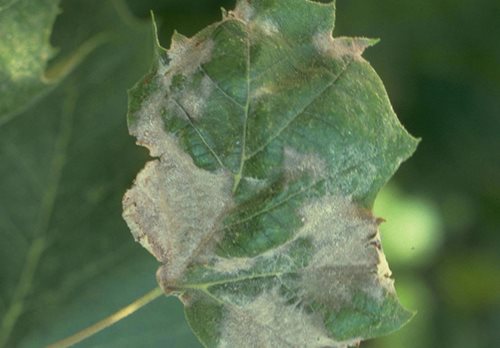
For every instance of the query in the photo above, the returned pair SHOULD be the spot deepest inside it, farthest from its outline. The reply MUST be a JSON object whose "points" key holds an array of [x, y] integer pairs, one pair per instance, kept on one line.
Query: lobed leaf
{"points": [[272, 139]]}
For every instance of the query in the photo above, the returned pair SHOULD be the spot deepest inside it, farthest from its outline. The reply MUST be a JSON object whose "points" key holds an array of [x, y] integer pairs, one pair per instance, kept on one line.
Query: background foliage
{"points": [[65, 162]]}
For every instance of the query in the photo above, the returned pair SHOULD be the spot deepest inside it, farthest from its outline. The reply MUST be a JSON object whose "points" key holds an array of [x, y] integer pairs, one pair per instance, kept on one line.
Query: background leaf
{"points": [[25, 28], [66, 259]]}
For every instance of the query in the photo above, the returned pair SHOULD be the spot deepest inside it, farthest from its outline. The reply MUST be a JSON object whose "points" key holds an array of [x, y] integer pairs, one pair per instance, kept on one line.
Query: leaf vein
{"points": [[39, 242], [295, 194], [219, 88], [299, 113], [239, 174], [190, 120]]}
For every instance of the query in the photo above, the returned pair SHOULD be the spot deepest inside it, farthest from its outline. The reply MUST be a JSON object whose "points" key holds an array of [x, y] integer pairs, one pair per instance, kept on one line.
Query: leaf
{"points": [[25, 51], [25, 28], [66, 259], [271, 140]]}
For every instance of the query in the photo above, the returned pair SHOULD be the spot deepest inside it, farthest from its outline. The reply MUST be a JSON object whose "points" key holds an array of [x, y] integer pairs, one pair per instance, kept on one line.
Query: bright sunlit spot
{"points": [[412, 232]]}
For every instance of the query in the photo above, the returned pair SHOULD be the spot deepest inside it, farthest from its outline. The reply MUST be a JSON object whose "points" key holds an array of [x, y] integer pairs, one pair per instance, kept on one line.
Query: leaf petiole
{"points": [[108, 321]]}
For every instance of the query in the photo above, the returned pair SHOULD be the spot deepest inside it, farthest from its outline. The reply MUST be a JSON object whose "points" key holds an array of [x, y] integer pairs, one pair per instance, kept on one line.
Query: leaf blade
{"points": [[297, 133]]}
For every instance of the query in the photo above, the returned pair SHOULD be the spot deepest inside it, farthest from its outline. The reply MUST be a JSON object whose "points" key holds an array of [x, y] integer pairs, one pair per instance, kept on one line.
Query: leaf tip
{"points": [[341, 47]]}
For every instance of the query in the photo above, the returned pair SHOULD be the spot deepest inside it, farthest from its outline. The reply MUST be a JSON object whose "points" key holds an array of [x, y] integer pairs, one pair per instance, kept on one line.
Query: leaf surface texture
{"points": [[272, 139]]}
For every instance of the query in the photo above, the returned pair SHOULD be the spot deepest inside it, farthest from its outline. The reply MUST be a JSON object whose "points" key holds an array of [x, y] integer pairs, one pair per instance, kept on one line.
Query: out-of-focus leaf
{"points": [[273, 139], [65, 258], [160, 324], [25, 28]]}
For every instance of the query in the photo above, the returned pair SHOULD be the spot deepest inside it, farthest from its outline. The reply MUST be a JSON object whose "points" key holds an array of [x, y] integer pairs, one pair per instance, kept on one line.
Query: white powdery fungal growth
{"points": [[186, 56], [268, 321], [234, 265], [264, 90], [347, 256], [243, 11], [296, 164], [341, 46], [174, 207], [346, 259], [358, 167], [268, 26], [193, 102]]}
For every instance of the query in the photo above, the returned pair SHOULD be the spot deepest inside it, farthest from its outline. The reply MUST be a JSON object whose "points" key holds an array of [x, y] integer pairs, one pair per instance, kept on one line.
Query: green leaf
{"points": [[272, 139], [25, 76], [25, 28], [66, 259]]}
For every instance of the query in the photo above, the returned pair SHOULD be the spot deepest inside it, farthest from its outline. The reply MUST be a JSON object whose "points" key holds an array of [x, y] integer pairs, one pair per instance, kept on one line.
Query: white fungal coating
{"points": [[345, 259], [193, 101], [186, 56], [339, 47], [174, 207], [296, 164], [346, 256], [268, 26], [270, 322], [264, 90], [244, 10], [234, 265], [148, 127]]}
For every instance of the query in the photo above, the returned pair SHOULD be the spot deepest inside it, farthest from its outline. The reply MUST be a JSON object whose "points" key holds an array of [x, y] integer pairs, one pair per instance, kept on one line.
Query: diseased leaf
{"points": [[272, 139], [25, 28]]}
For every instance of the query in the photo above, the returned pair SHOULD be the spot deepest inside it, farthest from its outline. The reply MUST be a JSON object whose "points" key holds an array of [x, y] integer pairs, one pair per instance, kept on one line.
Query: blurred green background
{"points": [[440, 62]]}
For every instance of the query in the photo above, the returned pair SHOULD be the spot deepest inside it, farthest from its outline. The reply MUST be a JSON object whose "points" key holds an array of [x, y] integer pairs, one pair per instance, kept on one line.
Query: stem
{"points": [[107, 322]]}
